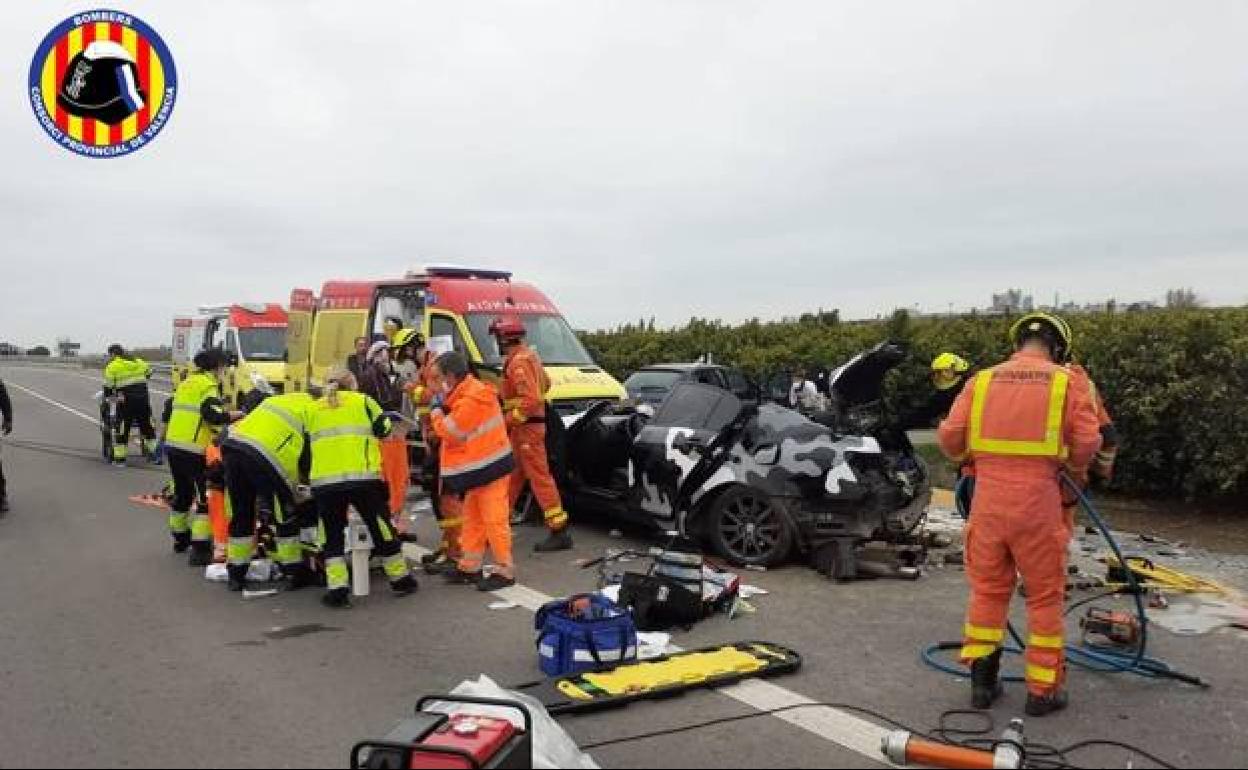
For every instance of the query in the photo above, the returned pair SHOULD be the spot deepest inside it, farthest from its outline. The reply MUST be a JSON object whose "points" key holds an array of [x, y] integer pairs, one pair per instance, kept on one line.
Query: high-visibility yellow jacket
{"points": [[346, 446], [190, 429], [126, 373], [276, 430]]}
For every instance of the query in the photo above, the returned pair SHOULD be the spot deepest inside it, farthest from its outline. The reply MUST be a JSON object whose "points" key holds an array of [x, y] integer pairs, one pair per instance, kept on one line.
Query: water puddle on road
{"points": [[291, 632], [286, 632]]}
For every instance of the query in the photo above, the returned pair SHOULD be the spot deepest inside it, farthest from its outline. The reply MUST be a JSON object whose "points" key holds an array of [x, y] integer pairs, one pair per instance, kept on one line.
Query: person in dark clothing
{"points": [[6, 409], [376, 378], [355, 361], [950, 372]]}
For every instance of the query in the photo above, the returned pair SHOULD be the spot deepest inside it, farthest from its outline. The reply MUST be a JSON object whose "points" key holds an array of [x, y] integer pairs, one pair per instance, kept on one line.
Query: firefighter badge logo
{"points": [[103, 84]]}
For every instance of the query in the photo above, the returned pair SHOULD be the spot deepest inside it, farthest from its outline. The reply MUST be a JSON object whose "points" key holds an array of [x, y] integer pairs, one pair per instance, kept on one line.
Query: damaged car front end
{"points": [[759, 484]]}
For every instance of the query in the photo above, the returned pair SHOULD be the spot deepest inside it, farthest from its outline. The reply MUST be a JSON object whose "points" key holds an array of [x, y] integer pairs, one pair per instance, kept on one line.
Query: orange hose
{"points": [[928, 754]]}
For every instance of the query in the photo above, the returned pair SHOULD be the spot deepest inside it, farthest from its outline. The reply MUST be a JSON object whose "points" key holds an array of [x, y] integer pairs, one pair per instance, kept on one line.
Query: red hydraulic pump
{"points": [[465, 739]]}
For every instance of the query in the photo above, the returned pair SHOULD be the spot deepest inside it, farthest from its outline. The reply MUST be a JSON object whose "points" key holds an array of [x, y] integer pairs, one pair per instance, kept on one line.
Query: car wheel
{"points": [[750, 528]]}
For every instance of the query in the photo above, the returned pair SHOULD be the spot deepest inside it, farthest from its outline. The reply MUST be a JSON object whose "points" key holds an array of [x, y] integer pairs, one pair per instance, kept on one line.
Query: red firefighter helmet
{"points": [[508, 328]]}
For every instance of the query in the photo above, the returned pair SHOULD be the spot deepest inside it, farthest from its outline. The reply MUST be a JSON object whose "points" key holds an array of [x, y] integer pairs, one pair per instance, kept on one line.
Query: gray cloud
{"points": [[726, 159]]}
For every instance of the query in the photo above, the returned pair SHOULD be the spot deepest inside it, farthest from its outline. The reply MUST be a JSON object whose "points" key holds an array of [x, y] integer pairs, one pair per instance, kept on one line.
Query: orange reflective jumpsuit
{"points": [[396, 473], [1020, 423], [449, 508], [218, 502], [476, 461], [524, 401]]}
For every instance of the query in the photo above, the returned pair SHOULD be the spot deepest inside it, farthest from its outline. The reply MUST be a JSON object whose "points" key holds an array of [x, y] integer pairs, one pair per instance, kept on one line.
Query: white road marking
{"points": [[99, 381], [57, 404], [833, 725]]}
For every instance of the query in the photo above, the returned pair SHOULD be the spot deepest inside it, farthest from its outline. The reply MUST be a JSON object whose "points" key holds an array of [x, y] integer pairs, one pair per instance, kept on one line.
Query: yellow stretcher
{"points": [[664, 677], [1149, 575]]}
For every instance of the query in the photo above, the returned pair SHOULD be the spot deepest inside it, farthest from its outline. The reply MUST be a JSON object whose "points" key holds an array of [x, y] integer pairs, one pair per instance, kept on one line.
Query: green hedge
{"points": [[1176, 381]]}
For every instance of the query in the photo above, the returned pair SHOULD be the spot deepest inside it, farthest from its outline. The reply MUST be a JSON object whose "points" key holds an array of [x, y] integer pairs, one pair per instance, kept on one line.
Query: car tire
{"points": [[749, 528]]}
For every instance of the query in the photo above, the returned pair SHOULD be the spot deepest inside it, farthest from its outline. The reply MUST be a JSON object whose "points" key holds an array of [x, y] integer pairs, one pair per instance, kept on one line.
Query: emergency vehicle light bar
{"points": [[457, 271]]}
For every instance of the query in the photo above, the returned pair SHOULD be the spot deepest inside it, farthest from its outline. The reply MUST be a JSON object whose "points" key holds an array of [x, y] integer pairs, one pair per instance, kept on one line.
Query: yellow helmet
{"points": [[1063, 343], [950, 362], [404, 337]]}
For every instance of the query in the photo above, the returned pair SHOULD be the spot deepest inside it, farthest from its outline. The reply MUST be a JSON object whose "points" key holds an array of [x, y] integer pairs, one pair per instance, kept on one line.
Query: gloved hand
{"points": [[7, 428]]}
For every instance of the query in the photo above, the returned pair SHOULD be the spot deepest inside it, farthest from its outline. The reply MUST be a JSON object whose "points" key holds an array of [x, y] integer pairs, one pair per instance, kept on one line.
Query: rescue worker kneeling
{"points": [[345, 429], [476, 464], [265, 455], [1021, 423]]}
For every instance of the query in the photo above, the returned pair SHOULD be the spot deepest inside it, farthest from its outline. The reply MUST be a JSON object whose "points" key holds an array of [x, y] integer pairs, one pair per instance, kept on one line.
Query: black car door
{"points": [[671, 446]]}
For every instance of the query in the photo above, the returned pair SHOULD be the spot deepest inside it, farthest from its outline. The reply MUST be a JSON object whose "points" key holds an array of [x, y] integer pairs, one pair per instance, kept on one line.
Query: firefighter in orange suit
{"points": [[1021, 423], [476, 462], [524, 403]]}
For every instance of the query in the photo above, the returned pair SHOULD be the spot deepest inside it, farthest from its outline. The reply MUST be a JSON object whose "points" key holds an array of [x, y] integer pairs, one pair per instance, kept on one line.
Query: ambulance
{"points": [[453, 307], [252, 335]]}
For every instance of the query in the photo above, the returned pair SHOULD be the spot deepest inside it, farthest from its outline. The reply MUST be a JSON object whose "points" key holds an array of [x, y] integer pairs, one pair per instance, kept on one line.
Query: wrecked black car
{"points": [[758, 483]]}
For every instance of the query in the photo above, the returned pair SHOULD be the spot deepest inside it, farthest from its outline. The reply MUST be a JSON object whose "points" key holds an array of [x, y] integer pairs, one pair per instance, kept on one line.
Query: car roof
{"points": [[679, 367]]}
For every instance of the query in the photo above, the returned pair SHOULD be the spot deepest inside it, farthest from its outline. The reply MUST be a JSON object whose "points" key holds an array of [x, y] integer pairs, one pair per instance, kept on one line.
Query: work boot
{"points": [[1043, 705], [440, 565], [495, 582], [181, 542], [458, 577], [986, 681], [404, 586], [338, 598], [558, 541], [201, 555], [238, 577], [298, 576]]}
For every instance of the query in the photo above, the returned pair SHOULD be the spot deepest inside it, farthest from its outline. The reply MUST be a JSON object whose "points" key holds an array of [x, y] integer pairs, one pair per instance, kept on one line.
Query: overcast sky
{"points": [[666, 158]]}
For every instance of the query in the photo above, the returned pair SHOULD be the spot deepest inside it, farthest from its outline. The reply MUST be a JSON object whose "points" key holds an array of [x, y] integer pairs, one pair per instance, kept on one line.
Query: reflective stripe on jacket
{"points": [[475, 449], [346, 449], [187, 429]]}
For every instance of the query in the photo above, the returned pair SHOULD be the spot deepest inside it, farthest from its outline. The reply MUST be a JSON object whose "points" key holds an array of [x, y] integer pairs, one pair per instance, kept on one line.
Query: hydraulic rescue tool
{"points": [[904, 748]]}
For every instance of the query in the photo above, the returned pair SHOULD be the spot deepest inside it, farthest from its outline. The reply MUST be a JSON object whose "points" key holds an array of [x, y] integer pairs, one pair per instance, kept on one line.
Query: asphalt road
{"points": [[114, 653]]}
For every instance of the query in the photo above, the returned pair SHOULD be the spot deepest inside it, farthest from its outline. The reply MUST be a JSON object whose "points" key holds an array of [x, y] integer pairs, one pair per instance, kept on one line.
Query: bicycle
{"points": [[110, 424]]}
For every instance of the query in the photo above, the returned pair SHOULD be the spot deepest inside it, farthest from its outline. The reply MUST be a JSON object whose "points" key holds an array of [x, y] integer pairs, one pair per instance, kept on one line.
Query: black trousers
{"points": [[372, 501], [252, 488], [189, 486], [4, 488], [136, 410]]}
